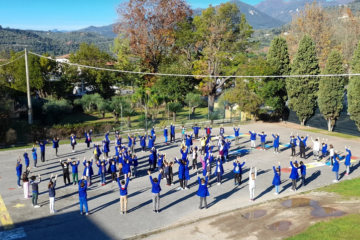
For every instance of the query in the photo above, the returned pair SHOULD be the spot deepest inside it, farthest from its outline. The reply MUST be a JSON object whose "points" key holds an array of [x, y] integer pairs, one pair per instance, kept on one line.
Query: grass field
{"points": [[340, 228], [333, 134]]}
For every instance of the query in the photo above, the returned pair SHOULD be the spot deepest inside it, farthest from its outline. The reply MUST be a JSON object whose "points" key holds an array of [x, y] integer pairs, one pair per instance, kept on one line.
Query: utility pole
{"points": [[189, 110], [28, 88], [121, 117]]}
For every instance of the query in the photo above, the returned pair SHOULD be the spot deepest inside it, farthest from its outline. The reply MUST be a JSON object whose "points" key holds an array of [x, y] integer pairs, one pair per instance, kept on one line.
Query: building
{"points": [[63, 58]]}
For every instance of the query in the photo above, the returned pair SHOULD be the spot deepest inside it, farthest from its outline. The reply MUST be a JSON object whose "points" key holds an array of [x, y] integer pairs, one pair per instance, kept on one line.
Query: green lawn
{"points": [[333, 134], [349, 188], [340, 228]]}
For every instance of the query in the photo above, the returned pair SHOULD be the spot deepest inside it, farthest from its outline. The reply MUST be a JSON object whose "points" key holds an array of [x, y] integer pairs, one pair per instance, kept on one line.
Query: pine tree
{"points": [[354, 89], [331, 89], [274, 90], [302, 91]]}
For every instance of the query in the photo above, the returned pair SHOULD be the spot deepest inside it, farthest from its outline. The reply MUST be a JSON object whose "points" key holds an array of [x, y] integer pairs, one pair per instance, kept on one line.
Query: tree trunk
{"points": [[303, 122], [330, 127], [211, 102], [174, 117], [128, 121], [103, 114], [116, 116], [212, 122], [193, 109]]}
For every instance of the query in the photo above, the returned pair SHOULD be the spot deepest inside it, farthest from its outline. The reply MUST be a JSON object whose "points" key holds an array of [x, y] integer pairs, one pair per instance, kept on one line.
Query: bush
{"points": [[55, 110]]}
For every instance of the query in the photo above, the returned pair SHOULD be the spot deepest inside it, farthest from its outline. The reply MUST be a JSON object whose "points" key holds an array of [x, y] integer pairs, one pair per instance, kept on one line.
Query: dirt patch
{"points": [[274, 220]]}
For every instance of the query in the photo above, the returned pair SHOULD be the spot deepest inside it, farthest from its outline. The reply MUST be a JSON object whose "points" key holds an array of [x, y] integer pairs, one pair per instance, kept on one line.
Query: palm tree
{"points": [[129, 112]]}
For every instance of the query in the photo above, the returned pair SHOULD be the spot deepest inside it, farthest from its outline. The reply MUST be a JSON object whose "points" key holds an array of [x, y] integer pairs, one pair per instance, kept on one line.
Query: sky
{"points": [[69, 14]]}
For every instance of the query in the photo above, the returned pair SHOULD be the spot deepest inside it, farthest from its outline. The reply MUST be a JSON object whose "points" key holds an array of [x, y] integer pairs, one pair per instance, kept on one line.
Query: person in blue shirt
{"points": [[152, 132], [336, 168], [142, 141], [188, 140], [219, 170], [88, 170], [222, 131], [112, 170], [18, 171], [303, 173], [253, 139], [196, 131], [26, 158], [347, 160], [151, 159], [237, 134], [134, 163], [83, 196], [277, 180], [42, 149], [302, 144], [294, 174], [151, 142], [123, 193], [181, 172], [97, 152], [238, 170], [118, 140], [324, 151], [56, 145], [88, 138], [102, 170], [276, 143], [166, 135], [105, 147], [172, 133], [155, 190], [132, 143], [74, 169], [184, 152], [34, 154], [203, 191], [293, 144], [262, 140], [73, 141]]}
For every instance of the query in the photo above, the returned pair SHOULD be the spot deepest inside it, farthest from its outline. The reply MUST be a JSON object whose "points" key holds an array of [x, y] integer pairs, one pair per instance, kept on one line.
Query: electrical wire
{"points": [[12, 60], [199, 76]]}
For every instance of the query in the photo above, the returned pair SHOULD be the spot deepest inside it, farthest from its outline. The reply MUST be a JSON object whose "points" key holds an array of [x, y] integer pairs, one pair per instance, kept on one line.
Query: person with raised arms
{"points": [[42, 149], [238, 170], [293, 144], [277, 178], [73, 141], [123, 185], [74, 170], [102, 170], [155, 190], [276, 142], [142, 142], [324, 151], [253, 139], [222, 130], [203, 191], [83, 195], [347, 160], [316, 148], [196, 131], [56, 145], [262, 140], [88, 170], [219, 170], [88, 138], [51, 187], [172, 133], [302, 144], [294, 175], [252, 183], [237, 134]]}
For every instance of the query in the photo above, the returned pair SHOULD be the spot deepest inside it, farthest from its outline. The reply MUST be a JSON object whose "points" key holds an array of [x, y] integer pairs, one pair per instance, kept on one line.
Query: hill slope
{"points": [[284, 10], [106, 31], [54, 43]]}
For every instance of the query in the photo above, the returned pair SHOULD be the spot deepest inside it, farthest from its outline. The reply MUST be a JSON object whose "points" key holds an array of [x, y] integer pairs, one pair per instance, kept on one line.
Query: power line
{"points": [[12, 60], [199, 76]]}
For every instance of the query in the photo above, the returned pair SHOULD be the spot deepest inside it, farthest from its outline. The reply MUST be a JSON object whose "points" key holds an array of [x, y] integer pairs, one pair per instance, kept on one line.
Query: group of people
{"points": [[124, 163]]}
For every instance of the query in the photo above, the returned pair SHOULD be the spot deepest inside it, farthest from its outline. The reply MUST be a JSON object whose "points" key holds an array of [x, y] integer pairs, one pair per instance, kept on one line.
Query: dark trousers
{"points": [[202, 150], [237, 178], [194, 164], [43, 156], [66, 176], [203, 199], [34, 198], [88, 144], [293, 151], [73, 146], [293, 184], [302, 152], [172, 137], [219, 177], [182, 183], [303, 180], [168, 179], [143, 148], [113, 176], [196, 135]]}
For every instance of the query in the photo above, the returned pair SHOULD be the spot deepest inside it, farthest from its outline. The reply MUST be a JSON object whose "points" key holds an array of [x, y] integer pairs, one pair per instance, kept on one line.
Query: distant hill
{"points": [[284, 10], [256, 18], [54, 43], [106, 31]]}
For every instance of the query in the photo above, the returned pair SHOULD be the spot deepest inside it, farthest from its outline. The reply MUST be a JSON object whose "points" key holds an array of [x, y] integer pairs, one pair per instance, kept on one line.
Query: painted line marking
{"points": [[13, 234], [5, 216]]}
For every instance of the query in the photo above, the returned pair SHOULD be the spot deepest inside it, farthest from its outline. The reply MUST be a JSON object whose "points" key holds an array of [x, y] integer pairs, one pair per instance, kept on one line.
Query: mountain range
{"points": [[284, 10]]}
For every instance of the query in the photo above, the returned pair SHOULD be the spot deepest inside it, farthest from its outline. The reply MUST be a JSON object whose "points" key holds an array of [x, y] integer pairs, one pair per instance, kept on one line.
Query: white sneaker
{"points": [[274, 152], [19, 187], [291, 190], [172, 184], [36, 206], [180, 188], [277, 153], [218, 183], [276, 193], [186, 188], [335, 181]]}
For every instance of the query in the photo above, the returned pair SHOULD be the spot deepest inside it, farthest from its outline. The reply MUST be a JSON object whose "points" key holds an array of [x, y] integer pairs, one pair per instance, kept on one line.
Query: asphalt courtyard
{"points": [[19, 219]]}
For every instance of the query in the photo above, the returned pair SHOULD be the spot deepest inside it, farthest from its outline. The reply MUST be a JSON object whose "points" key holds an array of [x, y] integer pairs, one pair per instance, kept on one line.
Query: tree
{"points": [[129, 112], [150, 27], [89, 101], [315, 22], [56, 109], [101, 81], [213, 116], [154, 103], [223, 33], [193, 100], [354, 89], [103, 107], [274, 90], [175, 107], [331, 89], [247, 99], [302, 91], [119, 104]]}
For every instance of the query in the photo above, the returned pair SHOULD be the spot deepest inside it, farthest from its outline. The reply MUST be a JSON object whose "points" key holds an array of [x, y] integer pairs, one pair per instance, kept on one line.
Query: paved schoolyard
{"points": [[177, 207]]}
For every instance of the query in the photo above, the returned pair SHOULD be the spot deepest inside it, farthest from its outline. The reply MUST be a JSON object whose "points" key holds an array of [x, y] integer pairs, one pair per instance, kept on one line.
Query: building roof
{"points": [[67, 56]]}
